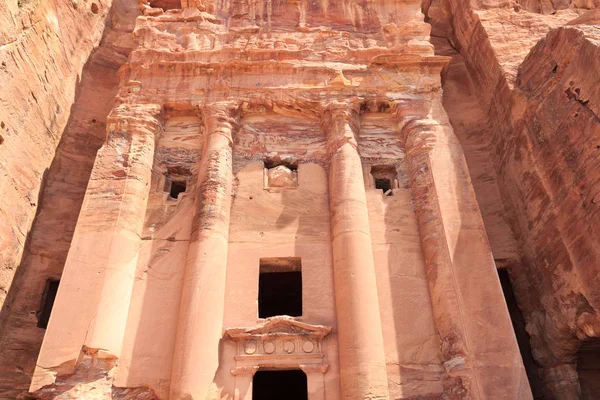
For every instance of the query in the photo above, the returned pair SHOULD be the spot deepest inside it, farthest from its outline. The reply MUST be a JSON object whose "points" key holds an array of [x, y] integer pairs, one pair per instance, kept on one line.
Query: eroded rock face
{"points": [[349, 93], [180, 215], [43, 48], [519, 96], [67, 176]]}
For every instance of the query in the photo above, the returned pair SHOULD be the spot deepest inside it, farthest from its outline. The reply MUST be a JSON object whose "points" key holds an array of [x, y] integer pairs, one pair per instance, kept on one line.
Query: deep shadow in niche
{"points": [[518, 323], [280, 287], [277, 385], [47, 303], [588, 369]]}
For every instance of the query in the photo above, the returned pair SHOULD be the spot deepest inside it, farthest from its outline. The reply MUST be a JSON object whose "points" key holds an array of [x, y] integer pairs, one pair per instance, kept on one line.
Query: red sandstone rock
{"points": [[41, 56], [534, 128], [67, 176], [399, 290]]}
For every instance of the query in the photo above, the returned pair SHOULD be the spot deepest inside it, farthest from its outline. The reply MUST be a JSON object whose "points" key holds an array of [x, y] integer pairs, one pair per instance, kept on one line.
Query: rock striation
{"points": [[41, 57], [79, 95], [528, 125], [389, 168]]}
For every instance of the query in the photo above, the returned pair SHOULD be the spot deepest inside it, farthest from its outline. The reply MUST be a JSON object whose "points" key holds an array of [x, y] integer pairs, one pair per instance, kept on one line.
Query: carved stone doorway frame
{"points": [[280, 343]]}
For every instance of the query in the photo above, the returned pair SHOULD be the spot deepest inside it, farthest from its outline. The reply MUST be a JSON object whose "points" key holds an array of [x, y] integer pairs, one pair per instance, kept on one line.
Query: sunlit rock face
{"points": [[522, 105], [300, 198]]}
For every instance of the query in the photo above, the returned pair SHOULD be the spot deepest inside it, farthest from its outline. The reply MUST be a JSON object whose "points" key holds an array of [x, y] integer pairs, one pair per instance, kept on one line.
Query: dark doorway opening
{"points": [[280, 287], [384, 177], [383, 184], [48, 298], [518, 323], [588, 369], [278, 385], [177, 187]]}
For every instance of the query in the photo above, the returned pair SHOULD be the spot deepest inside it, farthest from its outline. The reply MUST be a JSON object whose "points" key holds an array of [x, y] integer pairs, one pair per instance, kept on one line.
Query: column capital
{"points": [[340, 121], [419, 134], [143, 118], [221, 118], [227, 108], [348, 109]]}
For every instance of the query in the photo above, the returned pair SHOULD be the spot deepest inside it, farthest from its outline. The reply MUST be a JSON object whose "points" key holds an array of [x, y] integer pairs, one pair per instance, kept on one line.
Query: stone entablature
{"points": [[280, 342]]}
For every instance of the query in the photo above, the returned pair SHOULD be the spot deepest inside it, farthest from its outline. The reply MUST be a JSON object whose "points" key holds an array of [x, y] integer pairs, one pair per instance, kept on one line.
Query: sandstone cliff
{"points": [[521, 92], [43, 48], [54, 104], [522, 96]]}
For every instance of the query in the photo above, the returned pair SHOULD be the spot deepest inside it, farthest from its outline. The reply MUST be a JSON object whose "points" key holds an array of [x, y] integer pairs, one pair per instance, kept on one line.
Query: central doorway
{"points": [[277, 385]]}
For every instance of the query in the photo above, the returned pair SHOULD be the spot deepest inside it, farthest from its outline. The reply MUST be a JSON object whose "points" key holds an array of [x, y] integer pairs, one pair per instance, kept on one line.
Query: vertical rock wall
{"points": [[520, 96], [43, 48], [77, 133]]}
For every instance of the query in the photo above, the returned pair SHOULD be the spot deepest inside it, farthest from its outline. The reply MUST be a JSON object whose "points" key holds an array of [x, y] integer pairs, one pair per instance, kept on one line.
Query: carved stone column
{"points": [[202, 302], [478, 347], [362, 360], [90, 311]]}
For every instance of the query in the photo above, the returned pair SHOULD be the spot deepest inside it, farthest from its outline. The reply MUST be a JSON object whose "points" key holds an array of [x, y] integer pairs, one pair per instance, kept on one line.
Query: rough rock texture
{"points": [[522, 100], [43, 48], [65, 179], [312, 134], [380, 212]]}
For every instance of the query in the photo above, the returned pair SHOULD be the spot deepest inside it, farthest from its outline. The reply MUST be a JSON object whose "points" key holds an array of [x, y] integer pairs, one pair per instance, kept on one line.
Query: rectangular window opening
{"points": [[383, 184], [177, 187], [279, 384], [384, 177], [48, 298], [280, 287], [176, 181]]}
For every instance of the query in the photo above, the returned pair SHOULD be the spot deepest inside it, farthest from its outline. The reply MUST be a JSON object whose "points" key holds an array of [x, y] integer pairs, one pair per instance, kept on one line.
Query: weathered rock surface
{"points": [[356, 90], [227, 96], [523, 102], [43, 48], [67, 176]]}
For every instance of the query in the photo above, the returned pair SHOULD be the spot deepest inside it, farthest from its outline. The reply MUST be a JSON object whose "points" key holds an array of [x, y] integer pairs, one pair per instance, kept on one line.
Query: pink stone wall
{"points": [[403, 287], [41, 59]]}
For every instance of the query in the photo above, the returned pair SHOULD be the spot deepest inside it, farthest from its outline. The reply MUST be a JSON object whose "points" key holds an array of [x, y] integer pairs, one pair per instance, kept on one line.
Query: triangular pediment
{"points": [[281, 325]]}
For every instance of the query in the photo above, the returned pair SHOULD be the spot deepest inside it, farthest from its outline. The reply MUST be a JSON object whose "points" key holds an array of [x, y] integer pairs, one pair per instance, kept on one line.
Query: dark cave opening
{"points": [[518, 322], [588, 369]]}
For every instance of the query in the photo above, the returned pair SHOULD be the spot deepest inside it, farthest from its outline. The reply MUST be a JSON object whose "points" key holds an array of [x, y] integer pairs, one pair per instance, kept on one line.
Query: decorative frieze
{"points": [[280, 342]]}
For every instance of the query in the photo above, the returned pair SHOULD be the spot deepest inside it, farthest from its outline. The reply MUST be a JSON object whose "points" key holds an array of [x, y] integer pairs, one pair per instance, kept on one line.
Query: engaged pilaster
{"points": [[478, 347], [90, 311], [362, 360], [196, 357]]}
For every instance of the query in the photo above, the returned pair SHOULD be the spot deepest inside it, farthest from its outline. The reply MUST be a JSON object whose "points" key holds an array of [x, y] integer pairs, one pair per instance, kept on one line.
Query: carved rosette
{"points": [[280, 342]]}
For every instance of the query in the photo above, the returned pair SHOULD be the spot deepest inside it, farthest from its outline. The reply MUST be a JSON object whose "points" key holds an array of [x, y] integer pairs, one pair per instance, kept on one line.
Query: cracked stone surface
{"points": [[483, 114]]}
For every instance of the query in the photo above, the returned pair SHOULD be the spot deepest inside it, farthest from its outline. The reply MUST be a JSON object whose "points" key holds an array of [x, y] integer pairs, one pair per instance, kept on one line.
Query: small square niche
{"points": [[278, 176], [385, 178], [176, 181]]}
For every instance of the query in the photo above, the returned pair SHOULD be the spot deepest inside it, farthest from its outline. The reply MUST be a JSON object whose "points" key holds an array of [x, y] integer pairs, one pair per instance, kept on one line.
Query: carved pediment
{"points": [[279, 342], [279, 326]]}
